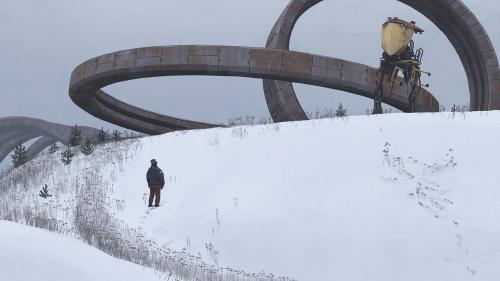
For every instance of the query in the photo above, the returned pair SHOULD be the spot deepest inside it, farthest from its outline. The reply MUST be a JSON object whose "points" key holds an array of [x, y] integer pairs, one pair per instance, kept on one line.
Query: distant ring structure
{"points": [[17, 130], [279, 67]]}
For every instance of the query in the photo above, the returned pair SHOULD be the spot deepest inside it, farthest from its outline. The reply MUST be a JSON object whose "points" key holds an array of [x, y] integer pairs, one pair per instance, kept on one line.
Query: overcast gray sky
{"points": [[42, 41]]}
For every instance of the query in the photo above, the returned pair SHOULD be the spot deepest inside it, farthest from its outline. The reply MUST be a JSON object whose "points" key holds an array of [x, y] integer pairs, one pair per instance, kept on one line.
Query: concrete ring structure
{"points": [[452, 17], [18, 130], [90, 77], [280, 67]]}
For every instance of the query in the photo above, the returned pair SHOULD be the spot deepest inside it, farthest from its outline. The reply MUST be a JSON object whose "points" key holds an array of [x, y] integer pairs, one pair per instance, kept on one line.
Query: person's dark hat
{"points": [[153, 161]]}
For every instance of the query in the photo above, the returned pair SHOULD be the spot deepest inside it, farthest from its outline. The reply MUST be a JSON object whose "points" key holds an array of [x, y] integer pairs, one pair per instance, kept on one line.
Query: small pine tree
{"points": [[117, 135], [75, 137], [44, 192], [67, 156], [20, 156], [88, 147], [101, 135], [341, 111], [53, 148]]}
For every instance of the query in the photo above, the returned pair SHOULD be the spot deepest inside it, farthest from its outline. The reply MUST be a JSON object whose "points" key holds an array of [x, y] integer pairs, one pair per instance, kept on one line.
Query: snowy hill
{"points": [[33, 254], [389, 197]]}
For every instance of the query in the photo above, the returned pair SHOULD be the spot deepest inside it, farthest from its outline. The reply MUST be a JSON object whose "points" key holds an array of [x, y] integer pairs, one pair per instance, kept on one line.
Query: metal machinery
{"points": [[400, 56]]}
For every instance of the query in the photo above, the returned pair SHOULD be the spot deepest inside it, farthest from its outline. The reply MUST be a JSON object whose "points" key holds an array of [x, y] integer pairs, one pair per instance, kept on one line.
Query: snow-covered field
{"points": [[389, 197], [28, 253]]}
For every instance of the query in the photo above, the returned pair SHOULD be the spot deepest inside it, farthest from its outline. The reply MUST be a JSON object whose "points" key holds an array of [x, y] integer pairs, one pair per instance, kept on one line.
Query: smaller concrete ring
{"points": [[17, 130], [89, 78]]}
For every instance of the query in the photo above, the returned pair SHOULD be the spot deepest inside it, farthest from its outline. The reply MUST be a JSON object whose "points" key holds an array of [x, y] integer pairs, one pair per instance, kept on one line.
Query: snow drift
{"points": [[33, 254], [389, 197]]}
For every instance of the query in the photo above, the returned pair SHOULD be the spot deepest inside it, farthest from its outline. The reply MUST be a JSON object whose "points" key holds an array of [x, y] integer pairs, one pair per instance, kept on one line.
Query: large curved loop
{"points": [[90, 77], [454, 19]]}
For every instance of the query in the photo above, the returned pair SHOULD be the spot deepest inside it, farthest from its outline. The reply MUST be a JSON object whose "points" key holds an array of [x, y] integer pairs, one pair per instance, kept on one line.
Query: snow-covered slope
{"points": [[28, 253], [389, 197], [320, 199]]}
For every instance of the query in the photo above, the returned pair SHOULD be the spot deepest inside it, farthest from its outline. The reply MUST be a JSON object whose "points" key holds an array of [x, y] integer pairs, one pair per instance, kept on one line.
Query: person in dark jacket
{"points": [[156, 181]]}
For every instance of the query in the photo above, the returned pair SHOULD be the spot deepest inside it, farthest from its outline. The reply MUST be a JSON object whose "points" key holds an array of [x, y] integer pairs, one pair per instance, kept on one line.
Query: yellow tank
{"points": [[397, 34]]}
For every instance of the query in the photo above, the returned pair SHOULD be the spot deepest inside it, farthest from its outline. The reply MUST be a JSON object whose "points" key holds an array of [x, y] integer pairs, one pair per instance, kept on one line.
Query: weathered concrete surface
{"points": [[280, 67], [17, 130], [280, 95], [456, 21], [89, 78]]}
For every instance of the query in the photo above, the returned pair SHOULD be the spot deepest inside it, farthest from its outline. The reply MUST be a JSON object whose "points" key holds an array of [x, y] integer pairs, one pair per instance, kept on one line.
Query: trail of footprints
{"points": [[428, 194]]}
